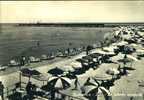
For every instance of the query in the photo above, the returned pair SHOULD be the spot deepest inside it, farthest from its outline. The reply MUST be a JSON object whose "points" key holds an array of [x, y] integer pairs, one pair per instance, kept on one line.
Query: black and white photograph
{"points": [[72, 50]]}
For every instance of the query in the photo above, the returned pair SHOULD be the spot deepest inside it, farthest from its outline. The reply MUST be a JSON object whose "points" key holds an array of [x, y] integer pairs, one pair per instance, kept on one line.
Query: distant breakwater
{"points": [[77, 24]]}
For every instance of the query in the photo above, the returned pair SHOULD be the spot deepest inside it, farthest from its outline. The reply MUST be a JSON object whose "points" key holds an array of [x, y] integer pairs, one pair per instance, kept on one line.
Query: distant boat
{"points": [[13, 62], [34, 59], [60, 54], [47, 57], [3, 67]]}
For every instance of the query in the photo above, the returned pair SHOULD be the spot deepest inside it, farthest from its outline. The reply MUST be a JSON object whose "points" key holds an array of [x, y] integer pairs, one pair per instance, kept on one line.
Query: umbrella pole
{"points": [[20, 76], [20, 79], [29, 78]]}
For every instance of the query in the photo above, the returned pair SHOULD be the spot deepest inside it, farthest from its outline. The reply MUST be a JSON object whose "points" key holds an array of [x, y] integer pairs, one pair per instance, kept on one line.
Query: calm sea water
{"points": [[15, 40]]}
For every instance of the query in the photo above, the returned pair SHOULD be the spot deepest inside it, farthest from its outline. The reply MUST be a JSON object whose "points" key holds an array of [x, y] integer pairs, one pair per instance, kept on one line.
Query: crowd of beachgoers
{"points": [[124, 46]]}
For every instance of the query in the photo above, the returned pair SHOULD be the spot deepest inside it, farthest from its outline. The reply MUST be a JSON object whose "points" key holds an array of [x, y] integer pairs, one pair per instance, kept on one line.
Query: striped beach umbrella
{"points": [[59, 82], [95, 88]]}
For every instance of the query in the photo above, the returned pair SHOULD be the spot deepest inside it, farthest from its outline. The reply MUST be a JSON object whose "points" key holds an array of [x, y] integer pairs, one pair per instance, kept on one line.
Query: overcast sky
{"points": [[72, 11]]}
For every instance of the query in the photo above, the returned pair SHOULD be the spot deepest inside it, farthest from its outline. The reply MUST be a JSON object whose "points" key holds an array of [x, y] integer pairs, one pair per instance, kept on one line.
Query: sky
{"points": [[71, 11]]}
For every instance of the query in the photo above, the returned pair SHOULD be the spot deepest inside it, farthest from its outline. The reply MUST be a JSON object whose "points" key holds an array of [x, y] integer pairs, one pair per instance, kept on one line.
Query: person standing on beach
{"points": [[29, 90], [76, 82], [1, 90]]}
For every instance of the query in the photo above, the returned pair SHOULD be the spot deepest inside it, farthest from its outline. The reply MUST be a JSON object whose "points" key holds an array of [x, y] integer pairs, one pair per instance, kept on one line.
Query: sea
{"points": [[23, 40]]}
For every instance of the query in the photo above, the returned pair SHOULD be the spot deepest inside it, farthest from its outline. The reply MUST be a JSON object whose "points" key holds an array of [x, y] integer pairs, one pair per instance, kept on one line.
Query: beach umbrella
{"points": [[140, 51], [59, 82], [120, 43], [81, 60], [92, 80], [87, 57], [132, 57], [116, 33], [67, 68], [96, 89], [95, 55], [42, 77], [109, 49], [29, 72], [128, 68], [105, 53], [102, 77], [133, 45], [76, 65], [56, 71], [128, 58]]}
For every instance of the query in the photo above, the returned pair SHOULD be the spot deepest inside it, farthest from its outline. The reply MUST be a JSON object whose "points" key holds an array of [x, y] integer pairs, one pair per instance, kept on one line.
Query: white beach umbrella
{"points": [[120, 43], [133, 45], [132, 57], [67, 68], [109, 53], [140, 51], [102, 77], [117, 32], [76, 65]]}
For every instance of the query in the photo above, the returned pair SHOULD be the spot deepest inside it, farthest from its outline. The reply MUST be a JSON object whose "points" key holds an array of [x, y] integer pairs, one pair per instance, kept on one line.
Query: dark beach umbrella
{"points": [[124, 60], [87, 57], [59, 82], [128, 68], [56, 71], [95, 55], [46, 87], [70, 75], [29, 72], [92, 80], [81, 60]]}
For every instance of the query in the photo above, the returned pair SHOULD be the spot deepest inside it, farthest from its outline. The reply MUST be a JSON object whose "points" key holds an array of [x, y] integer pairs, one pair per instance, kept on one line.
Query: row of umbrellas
{"points": [[61, 82]]}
